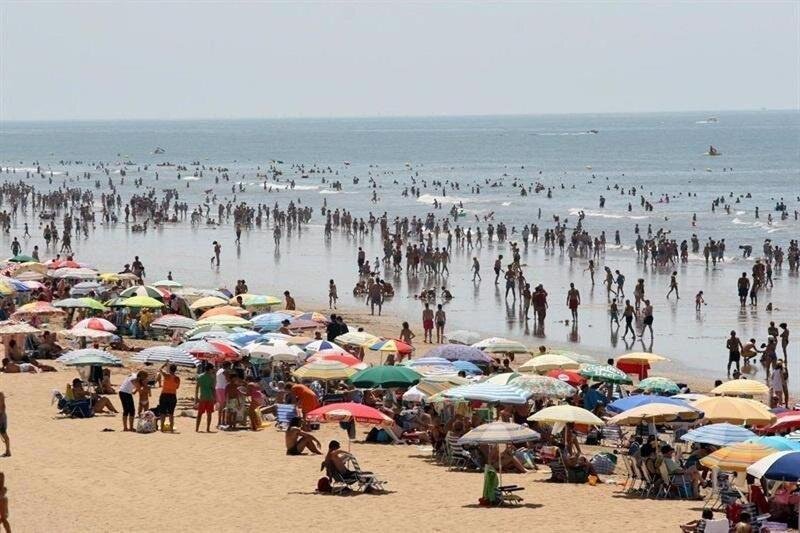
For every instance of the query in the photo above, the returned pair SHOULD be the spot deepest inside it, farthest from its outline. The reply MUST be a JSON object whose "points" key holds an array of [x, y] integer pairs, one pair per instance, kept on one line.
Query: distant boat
{"points": [[594, 131], [712, 119], [159, 150], [713, 151]]}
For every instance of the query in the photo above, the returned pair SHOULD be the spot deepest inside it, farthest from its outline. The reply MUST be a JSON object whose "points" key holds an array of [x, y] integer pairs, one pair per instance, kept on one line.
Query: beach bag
{"points": [[324, 485], [146, 423], [603, 463]]}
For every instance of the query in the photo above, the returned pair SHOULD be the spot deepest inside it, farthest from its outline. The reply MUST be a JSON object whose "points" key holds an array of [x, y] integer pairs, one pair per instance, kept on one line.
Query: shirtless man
{"points": [[297, 440], [573, 300], [734, 346], [427, 323]]}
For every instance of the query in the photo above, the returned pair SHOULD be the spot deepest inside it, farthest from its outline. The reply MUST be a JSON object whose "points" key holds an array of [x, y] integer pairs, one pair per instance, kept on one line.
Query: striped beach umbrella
{"points": [[392, 346], [324, 369], [270, 321], [498, 433], [162, 354], [779, 466], [737, 457], [659, 385], [243, 338], [489, 393], [460, 352], [225, 320], [318, 346], [142, 290], [100, 324], [466, 366], [781, 444], [89, 356], [604, 373], [430, 361], [346, 359], [256, 300], [500, 345], [543, 386], [721, 434], [73, 273], [172, 321], [629, 402]]}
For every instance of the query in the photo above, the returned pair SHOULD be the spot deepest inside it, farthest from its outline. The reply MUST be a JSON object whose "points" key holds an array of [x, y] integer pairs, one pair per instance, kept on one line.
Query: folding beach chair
{"points": [[649, 484], [284, 412], [366, 480], [339, 483], [714, 526], [506, 495], [673, 482], [612, 436], [457, 457], [631, 476]]}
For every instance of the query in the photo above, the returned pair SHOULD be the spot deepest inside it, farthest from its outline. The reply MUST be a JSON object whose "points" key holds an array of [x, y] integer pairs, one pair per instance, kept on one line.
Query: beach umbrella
{"points": [[62, 263], [172, 321], [216, 330], [73, 273], [460, 352], [270, 321], [346, 359], [224, 320], [786, 422], [781, 444], [655, 413], [29, 275], [324, 369], [430, 361], [737, 457], [567, 376], [318, 346], [17, 285], [498, 433], [543, 363], [142, 290], [243, 338], [349, 411], [721, 434], [37, 308], [294, 340], [230, 310], [141, 302], [275, 349], [385, 377], [33, 285], [794, 435], [489, 393], [734, 410], [604, 373], [22, 258], [462, 336], [566, 414], [500, 345], [162, 354], [301, 323], [329, 352], [658, 385], [432, 371], [689, 396], [111, 277], [211, 349], [503, 378], [6, 289], [466, 366], [255, 300], [357, 338], [629, 402], [415, 395], [741, 387], [208, 302], [89, 357], [9, 327], [88, 333], [95, 323], [85, 287], [779, 466], [80, 303], [313, 316], [167, 284], [544, 386], [644, 358]]}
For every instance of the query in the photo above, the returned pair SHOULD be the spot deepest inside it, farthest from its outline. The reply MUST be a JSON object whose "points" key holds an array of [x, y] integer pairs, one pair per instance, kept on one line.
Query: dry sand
{"points": [[68, 475]]}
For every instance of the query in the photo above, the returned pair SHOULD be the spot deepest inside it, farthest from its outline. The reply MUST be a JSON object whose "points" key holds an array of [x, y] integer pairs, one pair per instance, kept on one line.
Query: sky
{"points": [[180, 60]]}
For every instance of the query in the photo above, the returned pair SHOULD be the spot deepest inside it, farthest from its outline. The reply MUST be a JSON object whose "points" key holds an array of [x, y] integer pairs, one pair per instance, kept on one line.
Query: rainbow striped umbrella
{"points": [[737, 457]]}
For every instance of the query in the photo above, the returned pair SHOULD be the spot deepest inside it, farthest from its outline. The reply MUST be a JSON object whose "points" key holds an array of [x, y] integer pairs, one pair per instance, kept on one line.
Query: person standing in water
{"points": [[333, 295], [476, 269], [573, 300], [647, 314], [427, 323], [628, 313], [734, 345]]}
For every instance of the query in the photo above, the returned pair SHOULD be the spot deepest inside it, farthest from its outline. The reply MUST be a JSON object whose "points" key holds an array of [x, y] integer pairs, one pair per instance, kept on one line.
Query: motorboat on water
{"points": [[713, 151]]}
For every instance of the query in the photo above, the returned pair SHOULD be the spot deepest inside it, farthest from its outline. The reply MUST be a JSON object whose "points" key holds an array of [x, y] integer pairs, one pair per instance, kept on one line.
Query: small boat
{"points": [[713, 151], [712, 119], [594, 131], [159, 150]]}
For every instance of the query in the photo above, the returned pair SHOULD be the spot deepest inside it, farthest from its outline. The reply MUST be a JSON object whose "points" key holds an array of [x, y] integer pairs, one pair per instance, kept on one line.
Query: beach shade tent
{"points": [[734, 410], [100, 324], [243, 338], [543, 363], [162, 354], [503, 378], [318, 346], [86, 287], [543, 386], [605, 373], [225, 320], [462, 336], [737, 457], [89, 357], [655, 413], [500, 345], [142, 290], [73, 273], [141, 302], [167, 284], [10, 327], [346, 359], [658, 385], [497, 433], [206, 302], [567, 376], [357, 338], [270, 321], [385, 377], [80, 303], [741, 387], [566, 414], [37, 308], [460, 352], [489, 393], [629, 402], [172, 321], [466, 366], [230, 310], [722, 434], [781, 444], [324, 370], [255, 300], [22, 258]]}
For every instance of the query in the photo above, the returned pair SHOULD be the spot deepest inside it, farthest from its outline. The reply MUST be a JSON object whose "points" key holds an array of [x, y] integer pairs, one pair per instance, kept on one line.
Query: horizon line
{"points": [[374, 117]]}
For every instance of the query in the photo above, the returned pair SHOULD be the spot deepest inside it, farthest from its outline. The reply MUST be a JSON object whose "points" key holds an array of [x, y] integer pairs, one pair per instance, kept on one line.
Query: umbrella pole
{"points": [[500, 467]]}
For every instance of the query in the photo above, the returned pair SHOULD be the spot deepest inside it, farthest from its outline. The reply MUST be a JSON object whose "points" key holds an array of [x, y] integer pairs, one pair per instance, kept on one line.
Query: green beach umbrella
{"points": [[21, 258], [605, 373], [80, 303], [386, 377], [659, 385]]}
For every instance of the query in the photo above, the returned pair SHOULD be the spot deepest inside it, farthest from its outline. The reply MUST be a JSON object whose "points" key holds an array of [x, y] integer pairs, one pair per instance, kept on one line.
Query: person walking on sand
{"points": [[427, 323], [127, 389], [4, 425], [204, 397], [441, 318], [673, 286], [375, 297], [734, 345], [498, 267], [333, 295], [573, 301]]}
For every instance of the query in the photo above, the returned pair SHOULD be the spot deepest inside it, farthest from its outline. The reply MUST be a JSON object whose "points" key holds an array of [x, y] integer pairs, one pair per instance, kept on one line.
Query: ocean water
{"points": [[659, 154]]}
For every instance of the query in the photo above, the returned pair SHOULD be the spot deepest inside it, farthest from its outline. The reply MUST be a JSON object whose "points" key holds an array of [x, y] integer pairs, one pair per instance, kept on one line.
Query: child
{"points": [[144, 396], [614, 313], [698, 301], [332, 295]]}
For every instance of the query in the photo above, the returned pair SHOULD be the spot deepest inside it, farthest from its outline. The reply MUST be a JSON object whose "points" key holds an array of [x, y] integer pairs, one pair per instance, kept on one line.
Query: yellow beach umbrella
{"points": [[656, 413], [544, 363], [141, 301], [741, 387], [641, 357], [734, 410], [566, 414], [357, 338], [737, 457], [324, 369], [206, 302]]}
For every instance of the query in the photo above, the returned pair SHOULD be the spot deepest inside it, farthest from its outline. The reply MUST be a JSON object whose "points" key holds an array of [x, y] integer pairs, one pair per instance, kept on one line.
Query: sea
{"points": [[577, 158]]}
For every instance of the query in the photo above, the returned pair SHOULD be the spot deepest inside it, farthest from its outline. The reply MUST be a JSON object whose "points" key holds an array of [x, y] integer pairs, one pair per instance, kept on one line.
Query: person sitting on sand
{"points": [[297, 440], [105, 383], [10, 367], [695, 525], [99, 404]]}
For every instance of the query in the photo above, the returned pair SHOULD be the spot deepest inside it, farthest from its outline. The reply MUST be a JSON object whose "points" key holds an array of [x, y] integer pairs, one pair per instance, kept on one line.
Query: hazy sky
{"points": [[184, 60]]}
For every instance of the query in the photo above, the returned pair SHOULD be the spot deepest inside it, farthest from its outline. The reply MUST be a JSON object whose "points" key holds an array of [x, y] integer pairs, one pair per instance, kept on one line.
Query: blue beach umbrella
{"points": [[629, 402], [779, 466], [721, 434], [466, 366], [489, 393], [782, 444]]}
